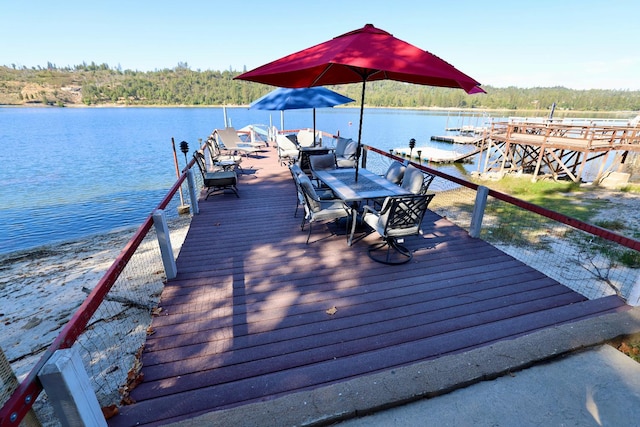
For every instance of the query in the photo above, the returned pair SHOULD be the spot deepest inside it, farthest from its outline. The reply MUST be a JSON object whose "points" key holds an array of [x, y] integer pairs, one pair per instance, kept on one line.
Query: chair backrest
{"points": [[320, 162], [305, 138], [346, 148], [295, 172], [341, 144], [402, 215], [312, 201], [228, 137], [395, 173], [199, 156], [213, 148], [416, 181], [285, 143]]}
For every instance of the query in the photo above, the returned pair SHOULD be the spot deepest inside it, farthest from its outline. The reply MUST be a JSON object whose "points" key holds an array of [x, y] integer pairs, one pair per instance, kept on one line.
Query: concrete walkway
{"points": [[561, 376], [598, 387]]}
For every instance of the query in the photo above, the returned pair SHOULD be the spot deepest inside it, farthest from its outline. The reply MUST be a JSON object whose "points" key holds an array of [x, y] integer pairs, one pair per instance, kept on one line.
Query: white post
{"points": [[162, 232], [67, 385], [478, 211], [634, 295], [192, 192]]}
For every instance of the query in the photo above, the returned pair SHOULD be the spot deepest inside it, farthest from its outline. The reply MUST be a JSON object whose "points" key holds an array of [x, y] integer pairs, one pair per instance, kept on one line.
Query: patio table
{"points": [[369, 186]]}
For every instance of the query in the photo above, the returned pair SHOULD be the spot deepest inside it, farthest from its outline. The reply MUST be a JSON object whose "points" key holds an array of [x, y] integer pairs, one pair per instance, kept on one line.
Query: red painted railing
{"points": [[22, 399], [564, 219]]}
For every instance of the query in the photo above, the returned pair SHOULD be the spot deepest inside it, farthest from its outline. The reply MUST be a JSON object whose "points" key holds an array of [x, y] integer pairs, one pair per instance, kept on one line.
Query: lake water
{"points": [[68, 173]]}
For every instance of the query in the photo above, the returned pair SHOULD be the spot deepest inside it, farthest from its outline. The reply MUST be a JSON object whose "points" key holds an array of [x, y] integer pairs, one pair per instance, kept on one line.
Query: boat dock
{"points": [[458, 139], [545, 147], [434, 155], [259, 323]]}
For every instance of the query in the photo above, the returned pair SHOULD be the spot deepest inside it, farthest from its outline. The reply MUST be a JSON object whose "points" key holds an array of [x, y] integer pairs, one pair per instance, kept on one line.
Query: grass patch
{"points": [[631, 188], [554, 195], [521, 228]]}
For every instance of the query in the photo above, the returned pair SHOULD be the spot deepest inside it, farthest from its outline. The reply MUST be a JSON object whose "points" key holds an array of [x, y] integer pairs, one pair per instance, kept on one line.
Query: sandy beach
{"points": [[41, 289]]}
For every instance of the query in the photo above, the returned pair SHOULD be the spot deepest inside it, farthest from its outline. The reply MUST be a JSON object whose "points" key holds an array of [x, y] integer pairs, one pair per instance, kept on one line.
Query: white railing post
{"points": [[478, 211], [69, 390], [192, 192], [164, 240], [634, 294]]}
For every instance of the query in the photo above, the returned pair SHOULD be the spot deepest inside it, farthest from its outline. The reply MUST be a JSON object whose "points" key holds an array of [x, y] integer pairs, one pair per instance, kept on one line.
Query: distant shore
{"points": [[542, 113]]}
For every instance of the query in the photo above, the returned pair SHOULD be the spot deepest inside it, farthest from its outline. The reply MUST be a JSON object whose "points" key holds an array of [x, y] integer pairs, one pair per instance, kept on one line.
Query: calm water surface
{"points": [[69, 173]]}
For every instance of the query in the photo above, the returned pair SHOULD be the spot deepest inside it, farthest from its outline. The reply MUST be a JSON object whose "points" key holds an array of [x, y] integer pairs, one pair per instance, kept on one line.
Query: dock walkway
{"points": [[255, 314]]}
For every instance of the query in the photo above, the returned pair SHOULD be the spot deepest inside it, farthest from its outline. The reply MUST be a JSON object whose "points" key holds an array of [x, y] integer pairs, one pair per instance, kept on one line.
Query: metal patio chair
{"points": [[317, 209], [400, 217]]}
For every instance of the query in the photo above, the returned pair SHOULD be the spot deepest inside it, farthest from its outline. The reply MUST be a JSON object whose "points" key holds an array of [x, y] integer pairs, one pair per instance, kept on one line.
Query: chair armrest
{"points": [[367, 208]]}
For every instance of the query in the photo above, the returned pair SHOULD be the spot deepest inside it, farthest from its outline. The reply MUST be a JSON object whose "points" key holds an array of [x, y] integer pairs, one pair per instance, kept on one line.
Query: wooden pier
{"points": [[559, 150], [255, 314]]}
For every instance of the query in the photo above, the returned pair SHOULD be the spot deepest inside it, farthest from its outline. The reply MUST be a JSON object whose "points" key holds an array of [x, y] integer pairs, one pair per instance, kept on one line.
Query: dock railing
{"points": [[109, 343], [109, 328], [589, 259]]}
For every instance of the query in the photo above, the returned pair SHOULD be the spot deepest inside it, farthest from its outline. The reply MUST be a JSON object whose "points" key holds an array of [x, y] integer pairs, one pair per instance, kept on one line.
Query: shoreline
{"points": [[543, 112]]}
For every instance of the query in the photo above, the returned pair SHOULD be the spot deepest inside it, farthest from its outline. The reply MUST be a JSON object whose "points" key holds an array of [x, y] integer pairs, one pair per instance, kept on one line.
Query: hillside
{"points": [[102, 85]]}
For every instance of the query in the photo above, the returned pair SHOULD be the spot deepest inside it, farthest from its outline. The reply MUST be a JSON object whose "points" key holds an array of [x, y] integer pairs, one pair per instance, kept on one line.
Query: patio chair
{"points": [[316, 209], [400, 216], [323, 193], [416, 181], [287, 150], [217, 181], [395, 172], [229, 140], [322, 162], [305, 138], [345, 152]]}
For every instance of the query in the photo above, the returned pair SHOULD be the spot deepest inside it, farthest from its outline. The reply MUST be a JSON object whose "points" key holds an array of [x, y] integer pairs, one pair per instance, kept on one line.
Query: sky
{"points": [[577, 44]]}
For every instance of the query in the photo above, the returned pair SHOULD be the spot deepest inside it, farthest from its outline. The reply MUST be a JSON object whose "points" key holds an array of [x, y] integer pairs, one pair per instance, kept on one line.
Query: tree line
{"points": [[100, 84]]}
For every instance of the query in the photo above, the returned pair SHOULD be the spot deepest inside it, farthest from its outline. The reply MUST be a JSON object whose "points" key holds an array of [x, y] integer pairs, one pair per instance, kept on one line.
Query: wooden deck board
{"points": [[246, 319]]}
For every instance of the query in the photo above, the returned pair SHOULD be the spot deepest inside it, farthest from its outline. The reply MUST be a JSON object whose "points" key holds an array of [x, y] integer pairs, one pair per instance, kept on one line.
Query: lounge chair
{"points": [[287, 150], [400, 216], [229, 140], [217, 181], [219, 160]]}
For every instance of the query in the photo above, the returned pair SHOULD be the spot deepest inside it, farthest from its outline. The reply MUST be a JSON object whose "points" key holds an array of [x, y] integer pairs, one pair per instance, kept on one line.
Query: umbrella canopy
{"points": [[299, 98], [366, 54], [292, 99]]}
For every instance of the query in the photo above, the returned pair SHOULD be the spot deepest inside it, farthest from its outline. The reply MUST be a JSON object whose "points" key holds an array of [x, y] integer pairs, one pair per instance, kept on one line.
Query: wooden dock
{"points": [[256, 314], [560, 150]]}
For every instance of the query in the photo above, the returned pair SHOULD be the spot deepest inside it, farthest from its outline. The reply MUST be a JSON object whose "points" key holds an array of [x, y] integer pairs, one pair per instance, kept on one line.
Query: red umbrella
{"points": [[366, 54]]}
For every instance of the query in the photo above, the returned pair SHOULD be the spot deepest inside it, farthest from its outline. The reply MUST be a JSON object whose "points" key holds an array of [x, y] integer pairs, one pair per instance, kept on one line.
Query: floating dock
{"points": [[458, 139], [435, 155]]}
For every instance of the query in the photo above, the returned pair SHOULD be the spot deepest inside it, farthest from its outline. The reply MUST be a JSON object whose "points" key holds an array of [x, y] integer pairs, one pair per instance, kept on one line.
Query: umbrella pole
{"points": [[314, 127], [360, 129]]}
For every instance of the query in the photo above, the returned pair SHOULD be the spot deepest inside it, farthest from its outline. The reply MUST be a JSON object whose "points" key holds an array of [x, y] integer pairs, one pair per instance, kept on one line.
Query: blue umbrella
{"points": [[298, 98]]}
